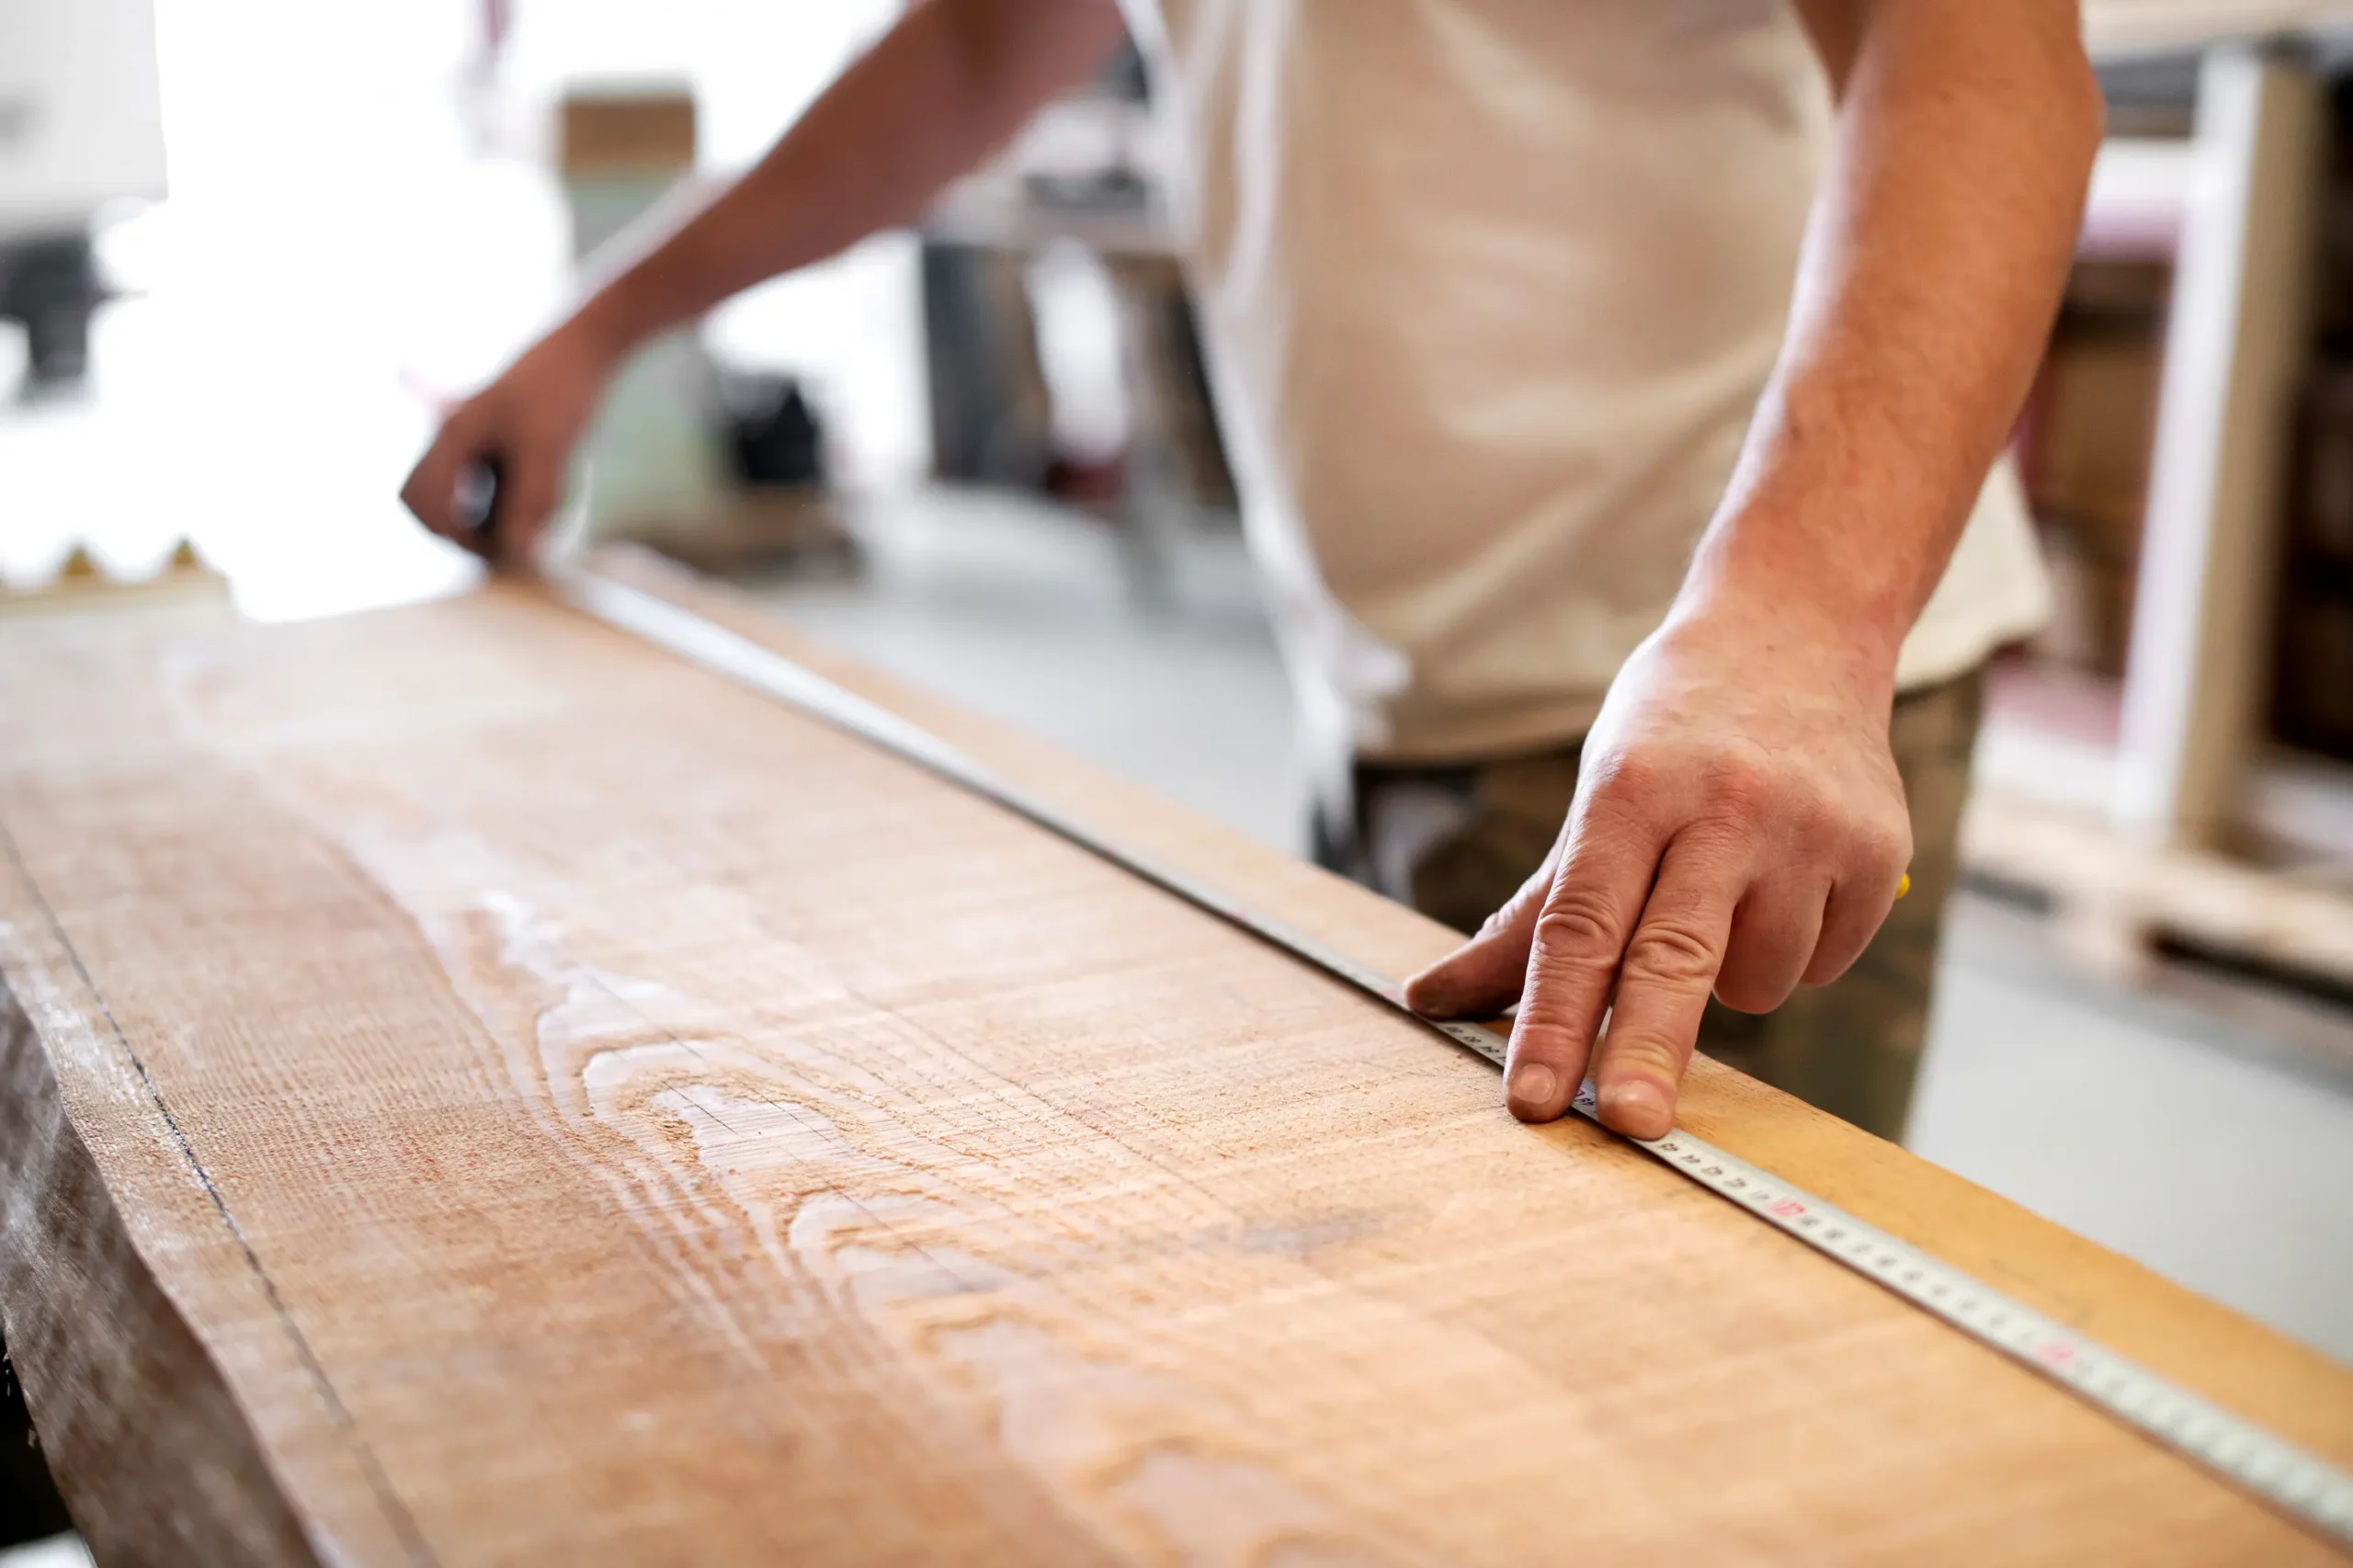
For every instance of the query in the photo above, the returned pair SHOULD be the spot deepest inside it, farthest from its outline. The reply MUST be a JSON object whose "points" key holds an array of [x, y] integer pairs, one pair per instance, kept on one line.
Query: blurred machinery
{"points": [[81, 127], [724, 472], [1071, 222], [1062, 352]]}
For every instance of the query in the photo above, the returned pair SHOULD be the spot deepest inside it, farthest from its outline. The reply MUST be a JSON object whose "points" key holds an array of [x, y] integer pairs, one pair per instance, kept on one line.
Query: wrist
{"points": [[604, 330], [1800, 583], [1776, 618]]}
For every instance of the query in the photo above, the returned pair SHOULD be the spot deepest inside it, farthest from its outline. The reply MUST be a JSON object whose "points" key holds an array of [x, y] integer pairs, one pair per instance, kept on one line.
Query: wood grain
{"points": [[612, 1119], [2263, 1375]]}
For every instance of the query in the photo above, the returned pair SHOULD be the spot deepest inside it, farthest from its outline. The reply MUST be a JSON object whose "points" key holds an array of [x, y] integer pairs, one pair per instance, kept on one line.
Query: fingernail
{"points": [[1533, 1084], [1636, 1106]]}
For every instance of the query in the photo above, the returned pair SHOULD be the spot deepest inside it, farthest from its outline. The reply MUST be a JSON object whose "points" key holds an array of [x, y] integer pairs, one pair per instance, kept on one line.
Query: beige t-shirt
{"points": [[1490, 288]]}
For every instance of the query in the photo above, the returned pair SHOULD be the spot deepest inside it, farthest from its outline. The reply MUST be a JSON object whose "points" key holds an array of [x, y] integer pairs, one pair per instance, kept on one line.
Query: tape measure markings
{"points": [[2301, 1484]]}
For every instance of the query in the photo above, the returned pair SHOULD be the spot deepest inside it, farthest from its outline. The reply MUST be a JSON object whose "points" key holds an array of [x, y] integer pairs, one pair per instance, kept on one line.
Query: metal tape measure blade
{"points": [[2299, 1483]]}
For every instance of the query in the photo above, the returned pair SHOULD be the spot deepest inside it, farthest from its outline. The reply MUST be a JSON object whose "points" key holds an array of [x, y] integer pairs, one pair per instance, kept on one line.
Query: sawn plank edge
{"points": [[119, 1385]]}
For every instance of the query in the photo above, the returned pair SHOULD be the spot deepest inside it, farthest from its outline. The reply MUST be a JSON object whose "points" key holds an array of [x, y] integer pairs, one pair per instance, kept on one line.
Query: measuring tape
{"points": [[2299, 1483]]}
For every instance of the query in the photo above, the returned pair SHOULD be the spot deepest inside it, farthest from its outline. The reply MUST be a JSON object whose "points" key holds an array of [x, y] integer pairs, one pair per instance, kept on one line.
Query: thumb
{"points": [[529, 488], [1483, 976]]}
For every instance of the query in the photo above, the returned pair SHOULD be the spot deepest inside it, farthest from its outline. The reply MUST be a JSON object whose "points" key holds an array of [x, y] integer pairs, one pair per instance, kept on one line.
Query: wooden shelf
{"points": [[2141, 26], [2140, 193], [2115, 902]]}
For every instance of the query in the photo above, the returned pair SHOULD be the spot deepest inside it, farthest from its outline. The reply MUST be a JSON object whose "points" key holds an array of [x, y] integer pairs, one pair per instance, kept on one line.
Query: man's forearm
{"points": [[948, 85], [1932, 267]]}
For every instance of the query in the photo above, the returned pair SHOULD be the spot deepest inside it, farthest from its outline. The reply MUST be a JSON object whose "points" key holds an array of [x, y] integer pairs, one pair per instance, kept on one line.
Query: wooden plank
{"points": [[613, 1118], [141, 1406], [2237, 341], [2270, 1378]]}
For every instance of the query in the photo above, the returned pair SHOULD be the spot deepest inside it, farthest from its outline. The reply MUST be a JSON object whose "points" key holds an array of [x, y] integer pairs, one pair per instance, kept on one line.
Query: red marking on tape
{"points": [[1788, 1209]]}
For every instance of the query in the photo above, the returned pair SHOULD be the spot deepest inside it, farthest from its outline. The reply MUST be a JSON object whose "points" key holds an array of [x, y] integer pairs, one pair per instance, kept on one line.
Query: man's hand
{"points": [[527, 422], [1738, 823], [1738, 827]]}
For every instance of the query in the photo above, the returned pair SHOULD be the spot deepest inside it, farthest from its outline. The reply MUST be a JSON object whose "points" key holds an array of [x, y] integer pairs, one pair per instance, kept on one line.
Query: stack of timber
{"points": [[2116, 904], [2124, 27], [479, 1090]]}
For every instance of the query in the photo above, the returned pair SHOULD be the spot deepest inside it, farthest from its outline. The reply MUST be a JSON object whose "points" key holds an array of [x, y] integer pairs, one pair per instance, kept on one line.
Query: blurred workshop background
{"points": [[249, 247]]}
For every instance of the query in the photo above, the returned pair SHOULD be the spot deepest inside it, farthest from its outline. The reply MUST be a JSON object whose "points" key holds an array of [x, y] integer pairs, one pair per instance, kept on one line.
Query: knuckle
{"points": [[1511, 912], [1741, 783], [1625, 776], [1672, 950], [1885, 846], [1814, 820], [1601, 835], [1576, 928], [1899, 839], [460, 428]]}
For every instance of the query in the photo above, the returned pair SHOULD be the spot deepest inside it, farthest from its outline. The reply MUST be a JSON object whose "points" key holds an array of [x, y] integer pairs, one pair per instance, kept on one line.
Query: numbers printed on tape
{"points": [[2302, 1485], [2283, 1474]]}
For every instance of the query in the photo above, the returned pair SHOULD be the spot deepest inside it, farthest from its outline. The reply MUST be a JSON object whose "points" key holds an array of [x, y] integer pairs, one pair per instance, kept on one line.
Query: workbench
{"points": [[477, 1088]]}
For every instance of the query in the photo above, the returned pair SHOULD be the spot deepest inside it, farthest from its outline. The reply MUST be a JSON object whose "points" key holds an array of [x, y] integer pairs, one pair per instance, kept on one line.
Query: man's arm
{"points": [[948, 84], [1739, 825]]}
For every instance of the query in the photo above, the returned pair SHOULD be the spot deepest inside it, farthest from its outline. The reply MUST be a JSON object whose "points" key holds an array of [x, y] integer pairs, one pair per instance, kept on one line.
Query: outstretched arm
{"points": [[1739, 826], [944, 87]]}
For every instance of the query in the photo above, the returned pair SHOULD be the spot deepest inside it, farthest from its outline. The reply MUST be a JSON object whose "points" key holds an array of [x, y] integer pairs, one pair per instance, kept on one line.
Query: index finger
{"points": [[1670, 968], [1588, 915]]}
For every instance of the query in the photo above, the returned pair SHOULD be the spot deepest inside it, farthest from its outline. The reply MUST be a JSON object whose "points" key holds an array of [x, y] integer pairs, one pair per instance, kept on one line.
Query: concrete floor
{"points": [[2201, 1126]]}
